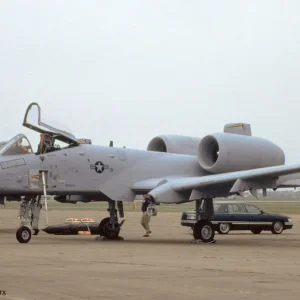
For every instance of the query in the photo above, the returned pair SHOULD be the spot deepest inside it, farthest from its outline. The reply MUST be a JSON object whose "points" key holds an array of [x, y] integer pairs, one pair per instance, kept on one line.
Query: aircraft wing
{"points": [[144, 186], [290, 183], [239, 181], [292, 180], [248, 175]]}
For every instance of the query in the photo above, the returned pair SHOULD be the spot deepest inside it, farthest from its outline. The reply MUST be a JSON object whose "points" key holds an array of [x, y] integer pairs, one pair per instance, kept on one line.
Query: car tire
{"points": [[256, 230], [277, 227], [223, 228]]}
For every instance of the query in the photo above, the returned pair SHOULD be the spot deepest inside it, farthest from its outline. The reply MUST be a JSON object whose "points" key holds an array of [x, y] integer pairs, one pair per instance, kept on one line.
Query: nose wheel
{"points": [[108, 230], [23, 234]]}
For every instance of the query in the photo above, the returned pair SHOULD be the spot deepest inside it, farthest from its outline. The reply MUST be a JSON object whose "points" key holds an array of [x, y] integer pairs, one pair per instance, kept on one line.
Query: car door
{"points": [[257, 217], [221, 213], [238, 216]]}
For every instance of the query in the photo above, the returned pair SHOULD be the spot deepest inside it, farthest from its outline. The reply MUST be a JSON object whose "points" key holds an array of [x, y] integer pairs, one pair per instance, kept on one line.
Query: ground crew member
{"points": [[145, 216]]}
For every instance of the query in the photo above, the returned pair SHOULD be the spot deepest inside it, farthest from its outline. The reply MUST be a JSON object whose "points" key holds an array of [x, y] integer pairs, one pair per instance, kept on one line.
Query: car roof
{"points": [[224, 202]]}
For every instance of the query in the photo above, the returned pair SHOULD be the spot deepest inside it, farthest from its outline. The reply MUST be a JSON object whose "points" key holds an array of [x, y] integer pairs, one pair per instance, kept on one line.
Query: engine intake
{"points": [[174, 144], [226, 152]]}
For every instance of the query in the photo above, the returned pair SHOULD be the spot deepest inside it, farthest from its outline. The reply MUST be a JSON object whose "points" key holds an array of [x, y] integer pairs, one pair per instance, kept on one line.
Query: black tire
{"points": [[277, 227], [23, 234], [101, 226], [256, 230], [106, 230], [204, 231], [223, 228]]}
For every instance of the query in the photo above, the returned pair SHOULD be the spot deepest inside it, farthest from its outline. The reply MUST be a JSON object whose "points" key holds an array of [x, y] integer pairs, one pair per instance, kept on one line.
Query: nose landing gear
{"points": [[29, 214], [109, 228], [23, 234]]}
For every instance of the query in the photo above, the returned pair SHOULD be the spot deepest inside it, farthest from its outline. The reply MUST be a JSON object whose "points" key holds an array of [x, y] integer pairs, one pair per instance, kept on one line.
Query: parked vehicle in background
{"points": [[234, 215]]}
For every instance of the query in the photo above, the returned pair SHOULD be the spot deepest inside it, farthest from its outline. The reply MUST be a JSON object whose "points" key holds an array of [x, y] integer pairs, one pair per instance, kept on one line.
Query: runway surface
{"points": [[166, 265]]}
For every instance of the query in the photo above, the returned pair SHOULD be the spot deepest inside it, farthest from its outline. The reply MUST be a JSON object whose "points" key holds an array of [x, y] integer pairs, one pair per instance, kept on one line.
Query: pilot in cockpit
{"points": [[45, 143], [19, 148]]}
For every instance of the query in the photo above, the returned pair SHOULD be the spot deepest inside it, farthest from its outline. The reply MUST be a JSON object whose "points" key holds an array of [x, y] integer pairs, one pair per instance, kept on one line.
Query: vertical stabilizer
{"points": [[238, 128]]}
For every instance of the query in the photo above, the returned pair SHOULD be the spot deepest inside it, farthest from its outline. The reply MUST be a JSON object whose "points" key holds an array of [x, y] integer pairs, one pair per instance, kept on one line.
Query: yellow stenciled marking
{"points": [[35, 176], [236, 125], [84, 232]]}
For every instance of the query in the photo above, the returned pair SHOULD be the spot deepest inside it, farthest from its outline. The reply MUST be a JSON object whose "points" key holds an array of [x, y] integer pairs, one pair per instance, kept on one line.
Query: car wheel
{"points": [[223, 228], [256, 230], [277, 227]]}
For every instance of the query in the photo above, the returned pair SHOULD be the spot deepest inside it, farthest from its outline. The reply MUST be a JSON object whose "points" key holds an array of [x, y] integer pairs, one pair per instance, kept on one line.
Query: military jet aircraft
{"points": [[173, 169]]}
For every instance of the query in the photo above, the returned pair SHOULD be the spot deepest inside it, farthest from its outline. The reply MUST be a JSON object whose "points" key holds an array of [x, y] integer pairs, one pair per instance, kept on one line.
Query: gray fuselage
{"points": [[78, 170]]}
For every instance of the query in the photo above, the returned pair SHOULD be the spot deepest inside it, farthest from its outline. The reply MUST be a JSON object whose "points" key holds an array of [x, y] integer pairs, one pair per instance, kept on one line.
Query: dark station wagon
{"points": [[233, 215]]}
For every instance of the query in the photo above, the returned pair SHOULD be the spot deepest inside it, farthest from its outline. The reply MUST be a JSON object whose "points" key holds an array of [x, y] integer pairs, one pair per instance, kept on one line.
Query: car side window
{"points": [[222, 208], [242, 208], [253, 209], [230, 208], [236, 208]]}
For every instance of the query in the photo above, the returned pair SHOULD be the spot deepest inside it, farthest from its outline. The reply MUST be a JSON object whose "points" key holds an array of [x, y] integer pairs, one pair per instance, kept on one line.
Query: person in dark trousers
{"points": [[145, 216]]}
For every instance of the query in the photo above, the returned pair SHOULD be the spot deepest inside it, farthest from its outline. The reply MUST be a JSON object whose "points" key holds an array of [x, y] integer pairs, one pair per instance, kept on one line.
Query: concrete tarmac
{"points": [[239, 265]]}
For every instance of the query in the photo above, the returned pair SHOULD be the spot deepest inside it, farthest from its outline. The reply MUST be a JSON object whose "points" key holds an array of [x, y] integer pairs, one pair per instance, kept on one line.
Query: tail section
{"points": [[238, 128]]}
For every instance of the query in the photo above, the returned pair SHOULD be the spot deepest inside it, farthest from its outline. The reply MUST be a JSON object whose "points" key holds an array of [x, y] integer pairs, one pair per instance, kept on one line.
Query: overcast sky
{"points": [[130, 70]]}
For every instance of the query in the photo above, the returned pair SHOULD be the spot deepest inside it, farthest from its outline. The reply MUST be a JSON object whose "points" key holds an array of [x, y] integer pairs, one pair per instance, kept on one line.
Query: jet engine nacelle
{"points": [[227, 152], [174, 144]]}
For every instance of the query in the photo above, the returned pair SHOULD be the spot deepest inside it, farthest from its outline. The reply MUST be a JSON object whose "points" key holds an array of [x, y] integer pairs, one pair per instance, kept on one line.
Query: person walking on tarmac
{"points": [[145, 216]]}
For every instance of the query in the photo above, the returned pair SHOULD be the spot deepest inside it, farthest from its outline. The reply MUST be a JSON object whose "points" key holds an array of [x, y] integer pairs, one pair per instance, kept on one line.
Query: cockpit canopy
{"points": [[17, 145], [2, 144], [32, 120], [49, 136]]}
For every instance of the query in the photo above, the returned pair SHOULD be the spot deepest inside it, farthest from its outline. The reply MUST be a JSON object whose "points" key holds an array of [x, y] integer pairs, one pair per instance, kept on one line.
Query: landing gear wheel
{"points": [[277, 227], [256, 230], [223, 228], [105, 229], [204, 231], [23, 234], [101, 226]]}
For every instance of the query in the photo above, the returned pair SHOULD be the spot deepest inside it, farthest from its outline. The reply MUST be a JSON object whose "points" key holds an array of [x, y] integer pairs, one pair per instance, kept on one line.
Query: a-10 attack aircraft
{"points": [[173, 169]]}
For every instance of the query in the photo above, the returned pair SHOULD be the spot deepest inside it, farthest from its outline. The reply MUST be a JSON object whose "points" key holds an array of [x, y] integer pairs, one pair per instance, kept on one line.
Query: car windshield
{"points": [[17, 145]]}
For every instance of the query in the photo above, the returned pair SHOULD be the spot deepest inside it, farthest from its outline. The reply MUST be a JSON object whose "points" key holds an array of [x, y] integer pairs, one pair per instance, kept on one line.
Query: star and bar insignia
{"points": [[99, 167]]}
